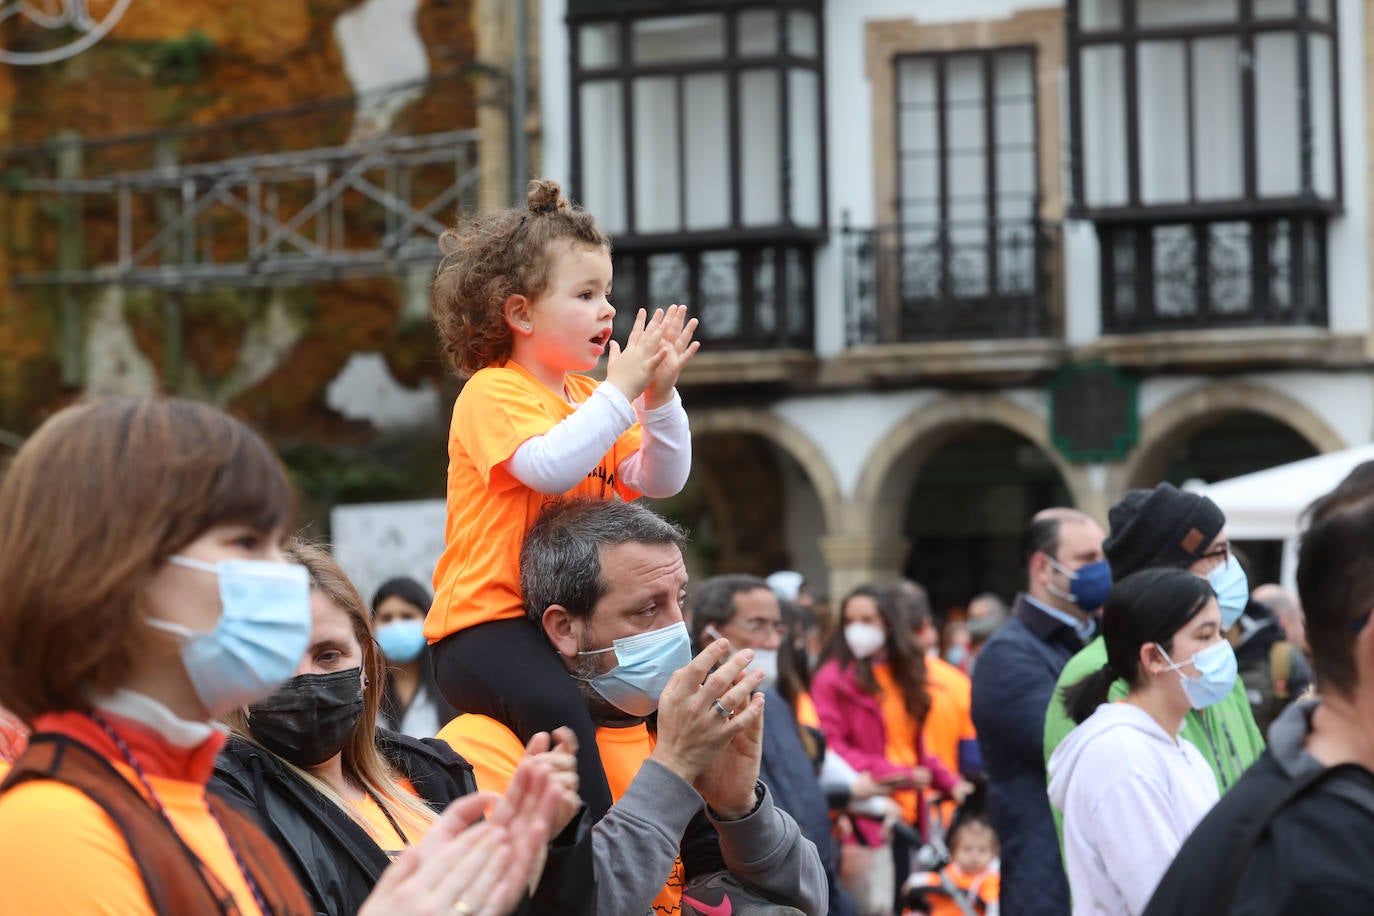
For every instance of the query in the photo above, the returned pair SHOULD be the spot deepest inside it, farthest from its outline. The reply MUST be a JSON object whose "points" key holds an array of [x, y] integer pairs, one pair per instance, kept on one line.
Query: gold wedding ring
{"points": [[461, 906]]}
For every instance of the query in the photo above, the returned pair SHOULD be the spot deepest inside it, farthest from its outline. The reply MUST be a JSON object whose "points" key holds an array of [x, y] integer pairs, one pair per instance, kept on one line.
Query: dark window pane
{"points": [[1175, 268], [669, 280], [1016, 259], [968, 263], [1123, 254], [719, 307], [1281, 265], [766, 290], [798, 269], [1229, 268]]}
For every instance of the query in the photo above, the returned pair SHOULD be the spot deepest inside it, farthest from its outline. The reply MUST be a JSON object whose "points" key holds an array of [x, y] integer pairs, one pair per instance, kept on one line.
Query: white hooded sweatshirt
{"points": [[1130, 795]]}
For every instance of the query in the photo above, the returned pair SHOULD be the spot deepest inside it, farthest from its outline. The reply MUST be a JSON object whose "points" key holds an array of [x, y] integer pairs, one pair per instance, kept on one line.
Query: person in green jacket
{"points": [[1168, 527]]}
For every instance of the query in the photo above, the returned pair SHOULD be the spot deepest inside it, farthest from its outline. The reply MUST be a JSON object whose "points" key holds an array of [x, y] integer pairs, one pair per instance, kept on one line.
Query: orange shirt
{"points": [[901, 737], [950, 719], [494, 751], [806, 711], [489, 512], [381, 828], [73, 860]]}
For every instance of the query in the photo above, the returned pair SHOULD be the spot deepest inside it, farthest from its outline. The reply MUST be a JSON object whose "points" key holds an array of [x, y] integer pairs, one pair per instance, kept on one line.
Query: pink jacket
{"points": [[853, 724]]}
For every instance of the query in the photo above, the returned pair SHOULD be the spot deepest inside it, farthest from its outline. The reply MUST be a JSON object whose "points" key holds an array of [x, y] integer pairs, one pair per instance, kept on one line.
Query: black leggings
{"points": [[506, 669]]}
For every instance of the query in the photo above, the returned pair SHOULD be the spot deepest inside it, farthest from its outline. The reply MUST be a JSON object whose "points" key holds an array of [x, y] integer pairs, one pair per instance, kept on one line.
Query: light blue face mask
{"points": [[402, 641], [644, 663], [1233, 590], [1216, 674], [262, 633]]}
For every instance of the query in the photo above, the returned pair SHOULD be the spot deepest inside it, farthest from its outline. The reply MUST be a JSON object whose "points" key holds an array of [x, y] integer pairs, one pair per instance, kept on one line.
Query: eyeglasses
{"points": [[756, 625], [1218, 556]]}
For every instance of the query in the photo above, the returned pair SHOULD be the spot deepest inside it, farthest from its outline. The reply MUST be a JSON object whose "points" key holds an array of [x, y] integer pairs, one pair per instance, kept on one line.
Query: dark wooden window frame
{"points": [[597, 12], [1304, 272], [1245, 28], [988, 58], [758, 248]]}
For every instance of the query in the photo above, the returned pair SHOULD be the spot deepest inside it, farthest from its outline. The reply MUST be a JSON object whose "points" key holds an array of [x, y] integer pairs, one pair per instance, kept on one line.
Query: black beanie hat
{"points": [[1160, 527]]}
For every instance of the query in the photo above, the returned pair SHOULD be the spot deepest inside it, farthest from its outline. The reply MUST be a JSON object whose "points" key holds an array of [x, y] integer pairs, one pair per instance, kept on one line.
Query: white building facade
{"points": [[960, 260]]}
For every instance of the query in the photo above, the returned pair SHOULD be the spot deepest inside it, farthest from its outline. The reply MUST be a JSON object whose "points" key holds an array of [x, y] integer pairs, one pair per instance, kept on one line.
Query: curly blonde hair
{"points": [[496, 256]]}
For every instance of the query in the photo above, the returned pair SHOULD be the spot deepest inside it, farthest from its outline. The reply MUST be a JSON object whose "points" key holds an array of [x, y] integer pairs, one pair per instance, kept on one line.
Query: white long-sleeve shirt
{"points": [[556, 461]]}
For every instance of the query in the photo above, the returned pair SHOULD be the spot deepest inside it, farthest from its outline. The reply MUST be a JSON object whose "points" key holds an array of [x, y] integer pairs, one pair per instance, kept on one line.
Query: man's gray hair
{"points": [[560, 562]]}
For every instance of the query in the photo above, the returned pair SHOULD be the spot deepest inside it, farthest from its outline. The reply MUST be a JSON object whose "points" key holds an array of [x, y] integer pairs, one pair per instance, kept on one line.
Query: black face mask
{"points": [[310, 717]]}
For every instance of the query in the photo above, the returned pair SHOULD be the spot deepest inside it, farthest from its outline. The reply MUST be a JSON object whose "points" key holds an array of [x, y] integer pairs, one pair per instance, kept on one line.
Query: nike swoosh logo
{"points": [[721, 909]]}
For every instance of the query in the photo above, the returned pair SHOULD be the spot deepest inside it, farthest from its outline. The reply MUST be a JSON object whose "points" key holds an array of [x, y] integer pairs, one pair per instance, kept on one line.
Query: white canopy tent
{"points": [[1268, 505]]}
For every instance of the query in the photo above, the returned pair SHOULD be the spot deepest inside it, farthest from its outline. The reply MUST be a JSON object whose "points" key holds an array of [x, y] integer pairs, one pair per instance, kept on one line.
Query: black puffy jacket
{"points": [[336, 860]]}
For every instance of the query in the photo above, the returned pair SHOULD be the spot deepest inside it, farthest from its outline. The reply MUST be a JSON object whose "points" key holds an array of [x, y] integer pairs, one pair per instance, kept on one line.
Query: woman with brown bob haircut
{"points": [[143, 594]]}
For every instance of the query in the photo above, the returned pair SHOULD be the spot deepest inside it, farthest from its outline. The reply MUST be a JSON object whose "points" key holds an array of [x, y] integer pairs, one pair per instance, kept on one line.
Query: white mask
{"points": [[765, 660], [864, 639]]}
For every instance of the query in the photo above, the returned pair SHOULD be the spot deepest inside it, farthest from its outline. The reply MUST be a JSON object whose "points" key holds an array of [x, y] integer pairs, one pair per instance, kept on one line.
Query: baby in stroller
{"points": [[966, 882]]}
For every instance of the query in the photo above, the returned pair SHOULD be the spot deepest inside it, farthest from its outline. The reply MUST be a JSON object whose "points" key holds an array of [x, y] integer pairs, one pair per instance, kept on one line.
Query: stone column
{"points": [[854, 559]]}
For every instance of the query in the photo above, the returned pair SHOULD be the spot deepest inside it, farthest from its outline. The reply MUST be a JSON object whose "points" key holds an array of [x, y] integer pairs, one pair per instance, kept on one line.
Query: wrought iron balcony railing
{"points": [[949, 281]]}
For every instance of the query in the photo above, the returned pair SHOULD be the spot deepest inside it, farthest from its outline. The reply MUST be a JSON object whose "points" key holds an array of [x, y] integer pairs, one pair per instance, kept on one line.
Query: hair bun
{"points": [[545, 196]]}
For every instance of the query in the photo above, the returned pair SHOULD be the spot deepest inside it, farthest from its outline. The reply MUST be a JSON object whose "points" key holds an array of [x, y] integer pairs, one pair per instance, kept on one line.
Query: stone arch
{"points": [[1177, 420], [792, 441], [891, 470]]}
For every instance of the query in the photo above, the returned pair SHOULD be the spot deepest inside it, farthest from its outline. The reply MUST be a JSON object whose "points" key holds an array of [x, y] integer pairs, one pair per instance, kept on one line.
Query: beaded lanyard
{"points": [[162, 812]]}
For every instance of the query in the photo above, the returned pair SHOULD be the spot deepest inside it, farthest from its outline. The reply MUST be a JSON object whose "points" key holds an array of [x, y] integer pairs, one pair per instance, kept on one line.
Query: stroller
{"points": [[930, 890]]}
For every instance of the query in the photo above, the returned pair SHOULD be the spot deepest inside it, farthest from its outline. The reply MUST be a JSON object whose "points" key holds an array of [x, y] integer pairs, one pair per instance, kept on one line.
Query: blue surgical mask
{"points": [[955, 655], [1216, 674], [1089, 585], [1233, 590], [402, 641], [644, 663], [262, 633]]}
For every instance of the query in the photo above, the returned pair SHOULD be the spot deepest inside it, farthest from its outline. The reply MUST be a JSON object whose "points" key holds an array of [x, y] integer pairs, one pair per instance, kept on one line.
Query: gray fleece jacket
{"points": [[635, 844]]}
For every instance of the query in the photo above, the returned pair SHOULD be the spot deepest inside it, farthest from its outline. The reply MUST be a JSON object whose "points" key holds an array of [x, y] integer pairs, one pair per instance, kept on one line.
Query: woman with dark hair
{"points": [[871, 698], [1131, 790], [411, 701]]}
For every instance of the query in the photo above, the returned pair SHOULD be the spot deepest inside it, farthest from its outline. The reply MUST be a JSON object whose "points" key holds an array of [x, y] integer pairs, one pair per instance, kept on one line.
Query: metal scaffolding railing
{"points": [[365, 209]]}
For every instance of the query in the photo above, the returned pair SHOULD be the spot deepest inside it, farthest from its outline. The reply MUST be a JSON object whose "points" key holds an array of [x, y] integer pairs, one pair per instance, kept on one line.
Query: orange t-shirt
{"points": [[950, 719], [901, 737], [494, 751], [477, 579], [381, 828], [806, 711], [73, 860]]}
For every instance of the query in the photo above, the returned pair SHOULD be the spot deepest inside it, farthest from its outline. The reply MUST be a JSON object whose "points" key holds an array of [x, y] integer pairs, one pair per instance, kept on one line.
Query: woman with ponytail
{"points": [[1130, 788]]}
